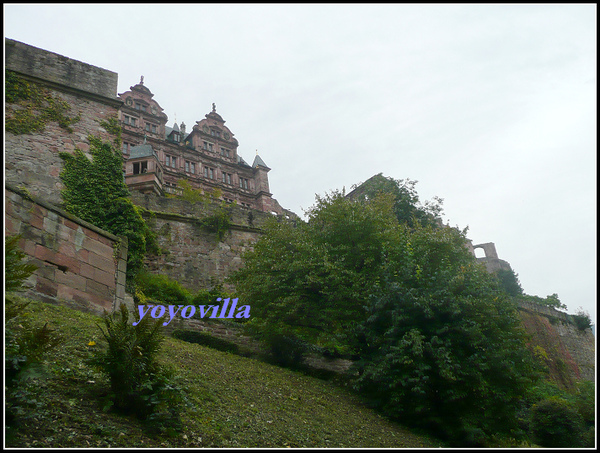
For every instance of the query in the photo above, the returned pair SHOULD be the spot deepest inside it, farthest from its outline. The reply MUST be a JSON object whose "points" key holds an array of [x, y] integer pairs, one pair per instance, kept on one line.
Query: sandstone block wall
{"points": [[196, 258], [31, 160], [78, 263]]}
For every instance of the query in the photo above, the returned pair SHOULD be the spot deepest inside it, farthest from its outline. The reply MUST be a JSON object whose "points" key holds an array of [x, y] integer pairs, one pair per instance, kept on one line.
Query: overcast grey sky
{"points": [[490, 107]]}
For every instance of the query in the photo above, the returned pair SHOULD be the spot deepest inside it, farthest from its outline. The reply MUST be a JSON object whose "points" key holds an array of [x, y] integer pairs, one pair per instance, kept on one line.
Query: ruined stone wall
{"points": [[78, 263], [31, 160], [568, 352]]}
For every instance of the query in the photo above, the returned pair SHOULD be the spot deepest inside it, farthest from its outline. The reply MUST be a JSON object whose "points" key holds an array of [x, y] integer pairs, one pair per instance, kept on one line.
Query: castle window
{"points": [[226, 178], [209, 173], [170, 161], [192, 167], [244, 183], [139, 106], [129, 120], [208, 146], [215, 133], [224, 152], [126, 148], [140, 167]]}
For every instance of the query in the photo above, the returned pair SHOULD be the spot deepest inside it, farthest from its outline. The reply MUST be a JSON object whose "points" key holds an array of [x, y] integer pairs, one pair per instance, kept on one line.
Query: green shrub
{"points": [[285, 349], [582, 320], [139, 384], [556, 423], [585, 401], [162, 288], [210, 296], [204, 339]]}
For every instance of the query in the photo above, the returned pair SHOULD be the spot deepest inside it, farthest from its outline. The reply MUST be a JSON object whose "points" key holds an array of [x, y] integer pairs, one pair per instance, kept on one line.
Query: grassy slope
{"points": [[236, 401]]}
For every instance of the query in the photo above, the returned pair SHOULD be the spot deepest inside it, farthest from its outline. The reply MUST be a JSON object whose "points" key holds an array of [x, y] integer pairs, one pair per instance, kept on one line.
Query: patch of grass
{"points": [[234, 401]]}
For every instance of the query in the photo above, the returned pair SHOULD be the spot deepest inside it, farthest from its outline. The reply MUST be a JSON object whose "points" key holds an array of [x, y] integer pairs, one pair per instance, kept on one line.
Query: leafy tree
{"points": [[509, 282], [406, 205], [582, 319], [311, 281], [443, 347], [94, 190], [548, 301]]}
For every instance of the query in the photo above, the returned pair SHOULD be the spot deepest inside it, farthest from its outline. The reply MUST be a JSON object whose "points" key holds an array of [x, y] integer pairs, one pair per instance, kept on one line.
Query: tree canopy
{"points": [[437, 339]]}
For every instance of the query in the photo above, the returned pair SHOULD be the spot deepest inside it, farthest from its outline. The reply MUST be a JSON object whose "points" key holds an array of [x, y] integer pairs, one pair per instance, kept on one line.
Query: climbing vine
{"points": [[94, 190], [113, 127], [30, 107], [219, 222]]}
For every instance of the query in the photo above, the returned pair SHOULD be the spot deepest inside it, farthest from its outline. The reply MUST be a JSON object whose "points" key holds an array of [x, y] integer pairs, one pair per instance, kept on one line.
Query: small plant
{"points": [[15, 270], [218, 223], [582, 320], [139, 384]]}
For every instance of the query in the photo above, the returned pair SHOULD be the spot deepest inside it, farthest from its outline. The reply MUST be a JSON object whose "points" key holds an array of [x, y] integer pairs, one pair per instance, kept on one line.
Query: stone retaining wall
{"points": [[571, 353], [197, 258], [78, 263]]}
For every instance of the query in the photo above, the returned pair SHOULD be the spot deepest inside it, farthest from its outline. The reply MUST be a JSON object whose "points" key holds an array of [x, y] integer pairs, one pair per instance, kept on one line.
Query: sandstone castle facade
{"points": [[158, 156]]}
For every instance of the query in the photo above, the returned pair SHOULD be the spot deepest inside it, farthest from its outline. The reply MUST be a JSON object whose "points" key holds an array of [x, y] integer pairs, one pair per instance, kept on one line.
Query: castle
{"points": [[158, 156], [82, 265]]}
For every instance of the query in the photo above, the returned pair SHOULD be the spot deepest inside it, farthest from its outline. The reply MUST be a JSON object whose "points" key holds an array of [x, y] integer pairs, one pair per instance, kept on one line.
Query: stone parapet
{"points": [[60, 71]]}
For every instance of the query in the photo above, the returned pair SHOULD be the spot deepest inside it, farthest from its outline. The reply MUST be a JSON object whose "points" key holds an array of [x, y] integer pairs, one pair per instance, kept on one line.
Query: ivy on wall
{"points": [[219, 222], [30, 107], [94, 191]]}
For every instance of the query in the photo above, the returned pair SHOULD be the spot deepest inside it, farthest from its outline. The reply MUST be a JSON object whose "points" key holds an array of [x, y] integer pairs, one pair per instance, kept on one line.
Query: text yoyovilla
{"points": [[187, 311]]}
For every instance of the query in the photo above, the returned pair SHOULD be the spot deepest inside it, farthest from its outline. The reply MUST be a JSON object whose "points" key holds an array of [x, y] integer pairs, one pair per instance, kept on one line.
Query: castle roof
{"points": [[258, 162], [241, 161], [144, 150]]}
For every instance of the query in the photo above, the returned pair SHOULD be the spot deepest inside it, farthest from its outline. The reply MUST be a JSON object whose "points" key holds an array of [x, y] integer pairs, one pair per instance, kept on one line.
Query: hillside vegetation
{"points": [[232, 401]]}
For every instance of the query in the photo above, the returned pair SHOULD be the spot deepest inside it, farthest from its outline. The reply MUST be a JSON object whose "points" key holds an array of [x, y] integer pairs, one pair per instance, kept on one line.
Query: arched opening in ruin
{"points": [[479, 252]]}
